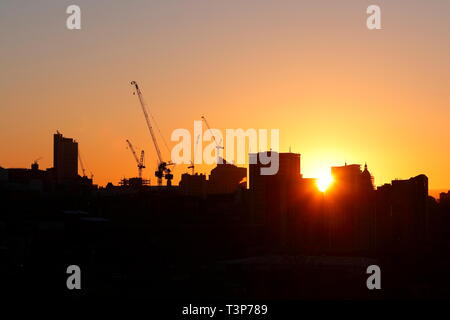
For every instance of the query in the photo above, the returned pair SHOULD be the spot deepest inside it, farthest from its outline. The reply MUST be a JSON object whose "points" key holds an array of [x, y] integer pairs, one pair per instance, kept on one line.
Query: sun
{"points": [[324, 181]]}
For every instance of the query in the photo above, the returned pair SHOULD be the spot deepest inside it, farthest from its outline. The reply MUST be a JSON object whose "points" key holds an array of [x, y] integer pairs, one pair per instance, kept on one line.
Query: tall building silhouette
{"points": [[350, 209], [409, 206], [402, 214], [274, 198], [65, 158]]}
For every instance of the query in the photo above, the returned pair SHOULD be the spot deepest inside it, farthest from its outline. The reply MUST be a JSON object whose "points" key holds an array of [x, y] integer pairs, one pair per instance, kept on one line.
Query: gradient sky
{"points": [[336, 90]]}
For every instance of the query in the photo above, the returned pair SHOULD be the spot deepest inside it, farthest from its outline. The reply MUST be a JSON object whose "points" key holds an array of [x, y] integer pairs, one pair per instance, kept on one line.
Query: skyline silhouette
{"points": [[323, 182], [337, 91], [225, 151], [277, 239]]}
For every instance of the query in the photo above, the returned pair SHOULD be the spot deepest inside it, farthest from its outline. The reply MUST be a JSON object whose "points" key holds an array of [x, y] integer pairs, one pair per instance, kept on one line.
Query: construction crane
{"points": [[36, 161], [139, 161], [192, 166], [218, 144], [35, 164], [83, 169], [81, 164], [163, 170]]}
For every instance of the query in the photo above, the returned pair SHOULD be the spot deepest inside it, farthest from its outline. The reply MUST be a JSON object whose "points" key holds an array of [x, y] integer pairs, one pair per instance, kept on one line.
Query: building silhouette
{"points": [[350, 210], [444, 198], [193, 184], [274, 198], [280, 238], [135, 182], [63, 176], [65, 158], [402, 215], [351, 180], [226, 178]]}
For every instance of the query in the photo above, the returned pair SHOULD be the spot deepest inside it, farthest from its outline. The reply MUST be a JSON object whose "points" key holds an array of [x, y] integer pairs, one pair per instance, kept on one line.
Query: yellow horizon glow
{"points": [[336, 91]]}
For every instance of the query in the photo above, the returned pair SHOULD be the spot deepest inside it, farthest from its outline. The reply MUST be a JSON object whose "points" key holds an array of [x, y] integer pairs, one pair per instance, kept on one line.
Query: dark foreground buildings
{"points": [[351, 217], [225, 178], [62, 176], [213, 238], [403, 215]]}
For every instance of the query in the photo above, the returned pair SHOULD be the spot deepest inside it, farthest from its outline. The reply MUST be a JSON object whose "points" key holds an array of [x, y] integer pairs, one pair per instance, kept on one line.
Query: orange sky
{"points": [[337, 91]]}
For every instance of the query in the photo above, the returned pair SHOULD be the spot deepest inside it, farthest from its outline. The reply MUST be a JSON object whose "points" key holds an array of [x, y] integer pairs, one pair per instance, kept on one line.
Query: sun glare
{"points": [[324, 181]]}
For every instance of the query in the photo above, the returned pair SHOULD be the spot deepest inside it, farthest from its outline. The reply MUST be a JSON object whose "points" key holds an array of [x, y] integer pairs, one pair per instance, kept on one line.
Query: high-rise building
{"points": [[402, 209], [288, 169], [410, 210], [350, 210], [65, 158], [274, 197]]}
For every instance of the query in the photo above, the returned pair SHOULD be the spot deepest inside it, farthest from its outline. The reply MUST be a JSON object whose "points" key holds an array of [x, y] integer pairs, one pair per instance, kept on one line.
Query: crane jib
{"points": [[163, 170]]}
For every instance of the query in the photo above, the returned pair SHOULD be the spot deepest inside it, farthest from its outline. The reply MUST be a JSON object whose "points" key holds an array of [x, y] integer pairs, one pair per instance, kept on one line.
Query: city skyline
{"points": [[340, 94], [192, 154], [323, 181]]}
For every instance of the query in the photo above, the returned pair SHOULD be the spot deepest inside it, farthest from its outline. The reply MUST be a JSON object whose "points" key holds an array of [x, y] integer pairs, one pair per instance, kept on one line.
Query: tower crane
{"points": [[163, 170], [35, 164], [83, 169], [36, 161], [81, 164], [139, 161], [218, 144], [192, 166]]}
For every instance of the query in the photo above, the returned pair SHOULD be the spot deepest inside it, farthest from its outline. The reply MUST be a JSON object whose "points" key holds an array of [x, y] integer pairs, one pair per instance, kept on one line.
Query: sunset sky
{"points": [[336, 90]]}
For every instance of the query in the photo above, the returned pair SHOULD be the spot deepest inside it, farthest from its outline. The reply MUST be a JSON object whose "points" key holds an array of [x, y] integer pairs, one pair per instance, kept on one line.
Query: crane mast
{"points": [[141, 160]]}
